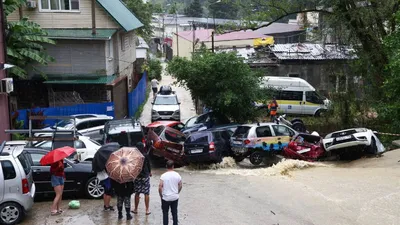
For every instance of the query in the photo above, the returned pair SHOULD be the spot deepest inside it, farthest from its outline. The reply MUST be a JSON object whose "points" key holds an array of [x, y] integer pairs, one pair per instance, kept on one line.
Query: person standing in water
{"points": [[57, 181]]}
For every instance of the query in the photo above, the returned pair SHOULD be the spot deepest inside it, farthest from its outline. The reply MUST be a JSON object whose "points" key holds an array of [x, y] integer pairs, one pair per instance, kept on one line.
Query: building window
{"points": [[59, 5]]}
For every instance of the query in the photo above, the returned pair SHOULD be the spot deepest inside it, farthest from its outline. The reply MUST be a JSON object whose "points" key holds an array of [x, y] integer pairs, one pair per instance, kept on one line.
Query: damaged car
{"points": [[304, 146], [167, 143], [352, 142]]}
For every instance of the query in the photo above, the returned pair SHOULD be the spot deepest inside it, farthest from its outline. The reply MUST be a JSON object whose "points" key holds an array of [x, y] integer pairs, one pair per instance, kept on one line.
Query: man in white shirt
{"points": [[154, 85], [169, 188]]}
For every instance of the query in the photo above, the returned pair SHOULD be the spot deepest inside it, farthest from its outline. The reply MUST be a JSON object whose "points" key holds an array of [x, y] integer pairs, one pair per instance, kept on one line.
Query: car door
{"points": [[283, 135], [313, 103], [70, 177], [265, 138], [93, 130], [1, 183], [83, 127], [11, 179], [41, 174], [290, 102]]}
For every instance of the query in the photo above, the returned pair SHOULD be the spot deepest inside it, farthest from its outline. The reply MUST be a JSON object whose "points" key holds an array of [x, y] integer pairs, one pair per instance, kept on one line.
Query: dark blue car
{"points": [[205, 121]]}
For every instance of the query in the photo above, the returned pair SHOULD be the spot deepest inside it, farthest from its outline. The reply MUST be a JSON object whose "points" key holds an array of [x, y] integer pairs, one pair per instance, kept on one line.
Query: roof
{"points": [[307, 51], [245, 53], [79, 79], [121, 14], [101, 34], [205, 35], [276, 28]]}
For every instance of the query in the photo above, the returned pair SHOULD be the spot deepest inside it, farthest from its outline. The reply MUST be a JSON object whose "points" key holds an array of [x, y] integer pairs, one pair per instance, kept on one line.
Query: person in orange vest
{"points": [[273, 108]]}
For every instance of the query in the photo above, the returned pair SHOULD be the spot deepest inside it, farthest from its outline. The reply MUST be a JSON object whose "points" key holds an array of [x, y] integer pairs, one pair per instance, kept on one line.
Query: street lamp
{"points": [[212, 33]]}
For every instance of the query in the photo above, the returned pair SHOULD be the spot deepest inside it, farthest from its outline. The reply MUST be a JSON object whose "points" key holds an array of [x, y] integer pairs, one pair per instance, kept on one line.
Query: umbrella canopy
{"points": [[125, 165], [101, 156], [57, 155]]}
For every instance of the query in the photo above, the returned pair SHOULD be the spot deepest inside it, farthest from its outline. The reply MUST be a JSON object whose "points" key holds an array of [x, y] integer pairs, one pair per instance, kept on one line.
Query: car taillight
{"points": [[144, 142], [246, 142], [211, 147], [25, 186]]}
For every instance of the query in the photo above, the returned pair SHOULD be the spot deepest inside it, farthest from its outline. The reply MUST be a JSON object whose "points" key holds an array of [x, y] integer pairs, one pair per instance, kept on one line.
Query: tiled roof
{"points": [[276, 28], [307, 51], [205, 35], [122, 15], [101, 34], [79, 79]]}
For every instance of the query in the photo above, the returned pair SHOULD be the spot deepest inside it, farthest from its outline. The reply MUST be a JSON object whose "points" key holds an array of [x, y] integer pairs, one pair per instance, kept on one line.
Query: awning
{"points": [[80, 34], [80, 79]]}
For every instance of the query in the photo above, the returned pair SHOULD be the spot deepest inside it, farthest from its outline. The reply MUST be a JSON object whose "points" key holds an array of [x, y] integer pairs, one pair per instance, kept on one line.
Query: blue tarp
{"points": [[137, 96]]}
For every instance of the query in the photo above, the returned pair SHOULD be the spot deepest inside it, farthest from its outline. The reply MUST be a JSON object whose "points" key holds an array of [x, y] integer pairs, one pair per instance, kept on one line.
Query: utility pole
{"points": [[163, 34], [176, 31], [194, 36], [212, 41]]}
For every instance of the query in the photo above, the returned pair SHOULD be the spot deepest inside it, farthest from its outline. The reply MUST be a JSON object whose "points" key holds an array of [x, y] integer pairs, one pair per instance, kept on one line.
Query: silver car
{"points": [[17, 189], [166, 107]]}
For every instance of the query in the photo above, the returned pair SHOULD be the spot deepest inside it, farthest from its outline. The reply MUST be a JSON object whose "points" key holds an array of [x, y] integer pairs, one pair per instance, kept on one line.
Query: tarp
{"points": [[262, 42]]}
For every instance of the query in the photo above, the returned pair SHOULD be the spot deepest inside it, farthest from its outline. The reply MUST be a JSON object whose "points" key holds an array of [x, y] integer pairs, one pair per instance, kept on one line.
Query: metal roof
{"points": [[121, 14], [79, 79], [307, 51], [101, 34]]}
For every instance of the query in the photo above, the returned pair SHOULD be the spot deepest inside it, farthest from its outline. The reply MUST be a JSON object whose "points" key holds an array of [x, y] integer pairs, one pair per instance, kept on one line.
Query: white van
{"points": [[295, 96]]}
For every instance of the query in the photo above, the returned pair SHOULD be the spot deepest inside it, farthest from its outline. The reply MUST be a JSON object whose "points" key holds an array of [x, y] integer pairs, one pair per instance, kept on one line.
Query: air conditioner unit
{"points": [[7, 85], [31, 4]]}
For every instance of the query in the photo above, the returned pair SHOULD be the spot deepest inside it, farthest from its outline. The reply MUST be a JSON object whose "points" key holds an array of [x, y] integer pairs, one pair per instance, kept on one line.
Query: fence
{"points": [[137, 96], [91, 108]]}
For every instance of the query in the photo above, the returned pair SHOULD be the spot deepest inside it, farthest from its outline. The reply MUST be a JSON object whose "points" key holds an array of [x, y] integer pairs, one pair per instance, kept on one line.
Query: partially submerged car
{"points": [[304, 146], [257, 141], [167, 143], [205, 121], [353, 140]]}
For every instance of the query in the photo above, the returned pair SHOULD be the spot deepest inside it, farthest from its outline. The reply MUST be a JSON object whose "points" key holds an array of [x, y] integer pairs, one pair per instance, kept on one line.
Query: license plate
{"points": [[237, 142], [196, 151], [240, 150], [343, 138], [304, 150]]}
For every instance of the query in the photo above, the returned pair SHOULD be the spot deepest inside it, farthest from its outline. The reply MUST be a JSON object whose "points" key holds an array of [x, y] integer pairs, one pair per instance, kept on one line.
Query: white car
{"points": [[355, 138], [86, 124], [85, 147]]}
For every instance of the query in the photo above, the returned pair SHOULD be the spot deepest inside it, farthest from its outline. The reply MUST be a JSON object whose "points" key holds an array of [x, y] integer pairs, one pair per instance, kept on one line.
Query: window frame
{"points": [[36, 153], [263, 127], [13, 167], [60, 10]]}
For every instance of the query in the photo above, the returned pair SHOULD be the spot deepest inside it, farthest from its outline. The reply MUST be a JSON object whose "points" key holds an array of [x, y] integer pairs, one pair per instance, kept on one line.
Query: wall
{"points": [[120, 99], [126, 54], [111, 52], [76, 57], [81, 19], [185, 47]]}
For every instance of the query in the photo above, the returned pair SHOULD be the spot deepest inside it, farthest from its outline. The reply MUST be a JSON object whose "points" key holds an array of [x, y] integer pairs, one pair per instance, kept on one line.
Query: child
{"points": [[123, 192]]}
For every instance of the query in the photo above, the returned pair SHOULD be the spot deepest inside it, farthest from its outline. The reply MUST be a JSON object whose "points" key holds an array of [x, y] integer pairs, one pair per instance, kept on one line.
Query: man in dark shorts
{"points": [[142, 183], [108, 192]]}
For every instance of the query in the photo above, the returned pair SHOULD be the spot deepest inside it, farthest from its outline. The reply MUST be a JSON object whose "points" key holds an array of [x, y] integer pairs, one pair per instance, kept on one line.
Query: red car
{"points": [[173, 124], [167, 143], [304, 147]]}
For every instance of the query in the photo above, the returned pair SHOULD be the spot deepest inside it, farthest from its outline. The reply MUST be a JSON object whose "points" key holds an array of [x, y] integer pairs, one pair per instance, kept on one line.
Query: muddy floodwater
{"points": [[365, 191]]}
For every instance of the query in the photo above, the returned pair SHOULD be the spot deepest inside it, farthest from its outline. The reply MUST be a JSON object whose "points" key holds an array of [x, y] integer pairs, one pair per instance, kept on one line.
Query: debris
{"points": [[272, 212]]}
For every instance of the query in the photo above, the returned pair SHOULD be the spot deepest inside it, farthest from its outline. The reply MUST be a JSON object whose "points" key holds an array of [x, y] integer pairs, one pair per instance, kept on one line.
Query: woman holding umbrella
{"points": [[57, 181], [56, 159]]}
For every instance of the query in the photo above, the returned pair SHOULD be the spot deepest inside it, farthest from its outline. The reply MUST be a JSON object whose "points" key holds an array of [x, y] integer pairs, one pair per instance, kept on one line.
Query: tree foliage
{"points": [[222, 9], [24, 41], [195, 9], [222, 81], [143, 11]]}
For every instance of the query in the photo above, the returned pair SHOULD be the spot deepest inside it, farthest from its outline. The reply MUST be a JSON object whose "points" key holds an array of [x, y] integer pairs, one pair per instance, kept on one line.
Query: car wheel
{"points": [[10, 213], [256, 158], [93, 188], [299, 127], [319, 113]]}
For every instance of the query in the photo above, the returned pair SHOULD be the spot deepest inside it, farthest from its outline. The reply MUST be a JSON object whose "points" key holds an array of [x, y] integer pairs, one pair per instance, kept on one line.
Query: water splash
{"points": [[229, 167]]}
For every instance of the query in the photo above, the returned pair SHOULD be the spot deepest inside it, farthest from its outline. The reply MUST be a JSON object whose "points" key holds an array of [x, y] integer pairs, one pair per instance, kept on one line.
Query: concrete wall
{"points": [[126, 46], [80, 19], [76, 57]]}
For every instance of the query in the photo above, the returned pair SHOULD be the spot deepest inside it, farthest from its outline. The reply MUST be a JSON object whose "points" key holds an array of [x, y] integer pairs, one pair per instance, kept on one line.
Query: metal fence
{"points": [[90, 108], [137, 96]]}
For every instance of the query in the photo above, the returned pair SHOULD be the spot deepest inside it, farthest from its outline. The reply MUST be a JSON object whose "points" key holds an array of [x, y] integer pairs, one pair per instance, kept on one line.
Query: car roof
{"points": [[102, 117], [163, 123], [259, 124], [123, 125], [20, 142], [11, 150]]}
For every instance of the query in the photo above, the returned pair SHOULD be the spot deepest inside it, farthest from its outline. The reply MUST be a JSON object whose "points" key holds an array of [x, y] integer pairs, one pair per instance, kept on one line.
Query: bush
{"points": [[154, 68]]}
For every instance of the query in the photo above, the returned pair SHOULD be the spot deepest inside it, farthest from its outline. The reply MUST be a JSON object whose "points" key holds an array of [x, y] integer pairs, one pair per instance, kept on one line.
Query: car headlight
{"points": [[177, 111], [153, 111], [362, 138]]}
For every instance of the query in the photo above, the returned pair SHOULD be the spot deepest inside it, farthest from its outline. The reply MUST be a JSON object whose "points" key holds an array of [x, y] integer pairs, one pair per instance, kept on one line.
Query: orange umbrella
{"points": [[57, 155], [125, 164]]}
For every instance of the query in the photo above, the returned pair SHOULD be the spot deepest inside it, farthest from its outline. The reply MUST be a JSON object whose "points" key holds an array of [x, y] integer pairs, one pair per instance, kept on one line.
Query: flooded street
{"points": [[365, 191]]}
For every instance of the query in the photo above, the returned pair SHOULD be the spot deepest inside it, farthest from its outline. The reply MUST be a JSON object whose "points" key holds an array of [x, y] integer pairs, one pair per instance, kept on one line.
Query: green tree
{"points": [[143, 11], [24, 41], [195, 9], [222, 81], [222, 9]]}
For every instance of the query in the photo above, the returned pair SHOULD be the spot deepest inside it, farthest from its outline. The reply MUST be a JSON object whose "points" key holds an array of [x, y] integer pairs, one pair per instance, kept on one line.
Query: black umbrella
{"points": [[102, 155]]}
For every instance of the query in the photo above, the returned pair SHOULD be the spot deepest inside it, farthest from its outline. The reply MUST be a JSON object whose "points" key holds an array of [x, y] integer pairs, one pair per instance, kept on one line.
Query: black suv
{"points": [[127, 132], [207, 146]]}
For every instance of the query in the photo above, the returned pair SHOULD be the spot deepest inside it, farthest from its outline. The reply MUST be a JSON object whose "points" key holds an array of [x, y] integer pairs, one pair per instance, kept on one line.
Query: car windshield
{"points": [[64, 123], [191, 122], [126, 139], [165, 100], [241, 132]]}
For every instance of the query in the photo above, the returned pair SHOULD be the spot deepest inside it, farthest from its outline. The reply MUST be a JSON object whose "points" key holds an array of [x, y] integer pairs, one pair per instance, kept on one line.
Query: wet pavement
{"points": [[365, 191], [187, 106]]}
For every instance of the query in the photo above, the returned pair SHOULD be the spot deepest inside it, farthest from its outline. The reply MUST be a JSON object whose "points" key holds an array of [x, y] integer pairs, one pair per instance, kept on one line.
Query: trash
{"points": [[74, 204]]}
